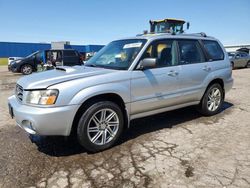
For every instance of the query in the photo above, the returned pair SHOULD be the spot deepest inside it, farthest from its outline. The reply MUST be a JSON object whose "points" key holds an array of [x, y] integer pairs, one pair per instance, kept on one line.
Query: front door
{"points": [[156, 88]]}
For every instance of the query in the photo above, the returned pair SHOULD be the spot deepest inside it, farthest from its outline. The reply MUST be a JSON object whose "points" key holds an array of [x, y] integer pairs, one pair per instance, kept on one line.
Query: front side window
{"points": [[164, 51], [190, 52], [213, 49], [117, 54]]}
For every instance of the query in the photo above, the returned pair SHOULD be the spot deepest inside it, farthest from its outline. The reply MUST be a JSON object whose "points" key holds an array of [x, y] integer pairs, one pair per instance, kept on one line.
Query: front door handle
{"points": [[172, 73], [206, 68]]}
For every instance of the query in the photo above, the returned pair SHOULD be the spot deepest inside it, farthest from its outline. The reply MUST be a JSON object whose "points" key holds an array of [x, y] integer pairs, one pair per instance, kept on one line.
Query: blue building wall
{"points": [[15, 49]]}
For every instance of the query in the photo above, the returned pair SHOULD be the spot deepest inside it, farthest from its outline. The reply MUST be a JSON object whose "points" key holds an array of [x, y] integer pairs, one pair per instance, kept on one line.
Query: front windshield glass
{"points": [[231, 54], [117, 54], [32, 54], [168, 27]]}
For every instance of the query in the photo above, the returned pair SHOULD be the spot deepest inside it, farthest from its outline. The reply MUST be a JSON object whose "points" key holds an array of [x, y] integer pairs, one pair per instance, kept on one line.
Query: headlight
{"points": [[42, 97]]}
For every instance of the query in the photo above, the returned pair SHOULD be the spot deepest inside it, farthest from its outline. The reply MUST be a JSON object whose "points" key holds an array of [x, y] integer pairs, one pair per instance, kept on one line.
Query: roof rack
{"points": [[201, 34]]}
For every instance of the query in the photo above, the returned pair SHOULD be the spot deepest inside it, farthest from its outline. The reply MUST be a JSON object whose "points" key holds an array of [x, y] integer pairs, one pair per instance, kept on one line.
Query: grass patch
{"points": [[3, 61]]}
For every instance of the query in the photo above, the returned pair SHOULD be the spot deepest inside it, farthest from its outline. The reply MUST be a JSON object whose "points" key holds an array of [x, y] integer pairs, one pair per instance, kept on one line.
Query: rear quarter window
{"points": [[213, 49]]}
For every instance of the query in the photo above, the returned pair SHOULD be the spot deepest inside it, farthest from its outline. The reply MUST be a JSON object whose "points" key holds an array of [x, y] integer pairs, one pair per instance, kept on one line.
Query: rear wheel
{"points": [[212, 100], [100, 126], [26, 69]]}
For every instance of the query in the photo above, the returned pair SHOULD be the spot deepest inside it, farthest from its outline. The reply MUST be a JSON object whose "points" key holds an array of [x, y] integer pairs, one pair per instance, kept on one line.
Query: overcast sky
{"points": [[101, 21]]}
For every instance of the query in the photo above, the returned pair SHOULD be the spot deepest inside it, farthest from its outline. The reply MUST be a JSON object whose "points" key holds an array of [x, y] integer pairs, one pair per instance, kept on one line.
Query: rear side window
{"points": [[243, 54], [190, 52], [213, 49], [69, 53]]}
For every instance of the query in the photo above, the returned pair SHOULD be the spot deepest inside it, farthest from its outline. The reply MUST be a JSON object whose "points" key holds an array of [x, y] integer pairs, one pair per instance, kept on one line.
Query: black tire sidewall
{"points": [[82, 134], [203, 108], [248, 64], [24, 66]]}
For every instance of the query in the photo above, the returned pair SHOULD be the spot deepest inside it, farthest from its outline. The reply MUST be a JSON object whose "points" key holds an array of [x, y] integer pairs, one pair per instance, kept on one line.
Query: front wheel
{"points": [[248, 64], [212, 100], [100, 126], [26, 69]]}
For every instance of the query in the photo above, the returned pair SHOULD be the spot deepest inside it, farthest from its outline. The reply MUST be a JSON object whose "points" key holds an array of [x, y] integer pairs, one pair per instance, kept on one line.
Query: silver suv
{"points": [[127, 79]]}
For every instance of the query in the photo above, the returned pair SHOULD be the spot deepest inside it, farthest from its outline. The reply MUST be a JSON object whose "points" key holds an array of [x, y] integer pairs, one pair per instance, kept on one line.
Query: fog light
{"points": [[28, 126]]}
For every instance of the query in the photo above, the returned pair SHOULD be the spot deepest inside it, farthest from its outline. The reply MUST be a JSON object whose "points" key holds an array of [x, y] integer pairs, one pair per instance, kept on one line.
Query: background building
{"points": [[17, 49], [241, 47]]}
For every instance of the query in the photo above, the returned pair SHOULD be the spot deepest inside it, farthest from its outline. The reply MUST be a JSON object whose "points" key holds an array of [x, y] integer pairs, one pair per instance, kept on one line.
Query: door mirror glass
{"points": [[148, 63]]}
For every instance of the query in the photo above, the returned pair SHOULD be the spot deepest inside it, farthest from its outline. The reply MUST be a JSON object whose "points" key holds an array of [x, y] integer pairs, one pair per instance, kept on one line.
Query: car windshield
{"points": [[231, 54], [32, 54], [117, 54]]}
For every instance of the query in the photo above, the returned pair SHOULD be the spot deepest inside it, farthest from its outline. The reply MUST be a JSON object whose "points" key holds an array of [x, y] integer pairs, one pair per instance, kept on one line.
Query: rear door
{"points": [[194, 70], [157, 87], [244, 58]]}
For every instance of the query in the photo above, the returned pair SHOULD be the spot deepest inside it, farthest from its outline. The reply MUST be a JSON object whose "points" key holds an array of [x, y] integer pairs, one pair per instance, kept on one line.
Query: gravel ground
{"points": [[174, 149]]}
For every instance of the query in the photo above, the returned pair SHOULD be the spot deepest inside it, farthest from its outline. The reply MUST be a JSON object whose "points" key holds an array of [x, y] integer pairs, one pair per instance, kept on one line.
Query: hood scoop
{"points": [[67, 69], [61, 69]]}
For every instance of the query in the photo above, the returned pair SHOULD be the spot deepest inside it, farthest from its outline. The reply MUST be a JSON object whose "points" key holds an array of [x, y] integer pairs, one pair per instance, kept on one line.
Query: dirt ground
{"points": [[174, 149]]}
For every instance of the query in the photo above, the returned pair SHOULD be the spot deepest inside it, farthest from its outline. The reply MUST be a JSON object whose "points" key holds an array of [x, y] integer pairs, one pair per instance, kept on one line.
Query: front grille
{"points": [[19, 92]]}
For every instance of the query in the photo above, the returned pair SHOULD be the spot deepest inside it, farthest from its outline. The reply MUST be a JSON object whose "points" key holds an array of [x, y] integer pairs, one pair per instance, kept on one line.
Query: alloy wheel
{"points": [[27, 69], [103, 126], [214, 99]]}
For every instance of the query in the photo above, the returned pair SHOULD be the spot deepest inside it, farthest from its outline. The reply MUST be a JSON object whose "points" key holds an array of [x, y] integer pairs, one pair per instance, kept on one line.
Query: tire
{"points": [[248, 64], [26, 69], [93, 129], [212, 100]]}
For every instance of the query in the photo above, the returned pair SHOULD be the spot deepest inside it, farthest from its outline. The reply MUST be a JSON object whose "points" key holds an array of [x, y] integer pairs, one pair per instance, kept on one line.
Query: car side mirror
{"points": [[188, 25], [147, 63]]}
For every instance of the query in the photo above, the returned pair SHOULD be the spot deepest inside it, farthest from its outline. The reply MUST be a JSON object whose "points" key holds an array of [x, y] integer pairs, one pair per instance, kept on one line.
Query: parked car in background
{"points": [[239, 59], [66, 57], [10, 59], [127, 79]]}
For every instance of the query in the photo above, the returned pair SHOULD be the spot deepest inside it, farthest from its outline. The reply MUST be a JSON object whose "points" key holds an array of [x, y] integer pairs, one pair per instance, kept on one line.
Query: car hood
{"points": [[45, 79]]}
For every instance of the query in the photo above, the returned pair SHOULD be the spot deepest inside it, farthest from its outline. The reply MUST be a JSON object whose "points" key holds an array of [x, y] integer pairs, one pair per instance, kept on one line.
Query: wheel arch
{"points": [[113, 97], [218, 81]]}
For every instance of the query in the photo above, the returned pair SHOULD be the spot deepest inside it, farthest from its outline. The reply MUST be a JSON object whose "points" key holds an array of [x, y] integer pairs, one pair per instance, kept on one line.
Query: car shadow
{"points": [[66, 146]]}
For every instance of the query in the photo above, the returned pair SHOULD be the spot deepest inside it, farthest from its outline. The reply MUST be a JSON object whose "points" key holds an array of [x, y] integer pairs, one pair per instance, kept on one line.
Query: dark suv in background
{"points": [[47, 57]]}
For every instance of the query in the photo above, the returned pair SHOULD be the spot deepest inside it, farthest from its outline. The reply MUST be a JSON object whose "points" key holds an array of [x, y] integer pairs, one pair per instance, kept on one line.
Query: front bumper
{"points": [[43, 121]]}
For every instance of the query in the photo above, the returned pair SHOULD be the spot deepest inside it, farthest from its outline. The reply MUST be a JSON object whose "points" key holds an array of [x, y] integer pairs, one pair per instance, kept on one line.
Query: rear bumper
{"points": [[43, 121], [228, 85]]}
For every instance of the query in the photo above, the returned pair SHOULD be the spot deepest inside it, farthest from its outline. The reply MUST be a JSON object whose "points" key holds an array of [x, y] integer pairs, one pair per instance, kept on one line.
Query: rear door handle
{"points": [[206, 68], [172, 73]]}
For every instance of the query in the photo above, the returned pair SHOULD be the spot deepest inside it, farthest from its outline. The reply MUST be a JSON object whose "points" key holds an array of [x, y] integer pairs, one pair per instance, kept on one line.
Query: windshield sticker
{"points": [[132, 45]]}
